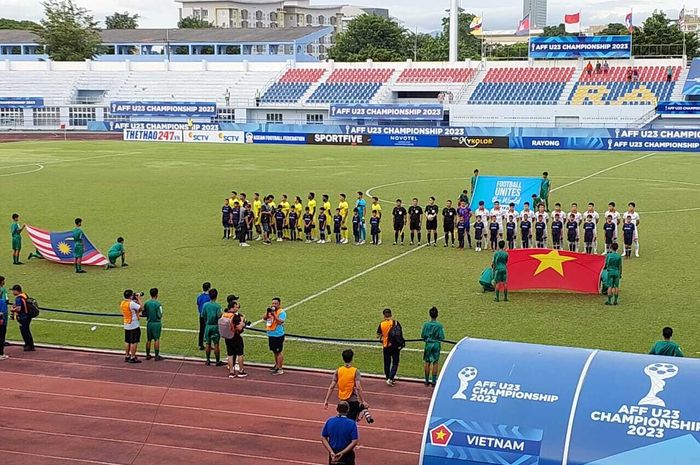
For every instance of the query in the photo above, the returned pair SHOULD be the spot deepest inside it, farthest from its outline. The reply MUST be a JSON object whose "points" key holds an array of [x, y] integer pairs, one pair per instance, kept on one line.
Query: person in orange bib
{"points": [[348, 380]]}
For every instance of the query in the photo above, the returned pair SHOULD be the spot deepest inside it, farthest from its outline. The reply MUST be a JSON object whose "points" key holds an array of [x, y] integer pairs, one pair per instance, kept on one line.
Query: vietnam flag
{"points": [[554, 269]]}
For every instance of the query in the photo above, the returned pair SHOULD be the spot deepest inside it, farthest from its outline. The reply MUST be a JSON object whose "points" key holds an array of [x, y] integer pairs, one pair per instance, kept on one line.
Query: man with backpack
{"points": [[24, 309], [391, 334], [231, 327]]}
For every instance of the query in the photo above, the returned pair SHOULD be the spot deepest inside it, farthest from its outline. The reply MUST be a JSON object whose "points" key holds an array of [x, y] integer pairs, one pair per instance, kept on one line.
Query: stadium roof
{"points": [[205, 36]]}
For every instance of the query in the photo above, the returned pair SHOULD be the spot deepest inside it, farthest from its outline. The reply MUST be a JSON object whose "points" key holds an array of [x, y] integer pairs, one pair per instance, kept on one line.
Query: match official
{"points": [[202, 299]]}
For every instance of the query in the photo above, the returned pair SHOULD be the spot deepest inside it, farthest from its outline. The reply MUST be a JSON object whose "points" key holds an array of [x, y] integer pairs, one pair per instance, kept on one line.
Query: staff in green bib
{"points": [[613, 265], [432, 334], [545, 188], [117, 251], [16, 232], [154, 314], [78, 246], [500, 271]]}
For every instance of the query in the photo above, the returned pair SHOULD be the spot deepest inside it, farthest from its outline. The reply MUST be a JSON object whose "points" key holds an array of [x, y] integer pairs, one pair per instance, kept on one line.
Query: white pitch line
{"points": [[257, 336], [603, 171], [40, 167]]}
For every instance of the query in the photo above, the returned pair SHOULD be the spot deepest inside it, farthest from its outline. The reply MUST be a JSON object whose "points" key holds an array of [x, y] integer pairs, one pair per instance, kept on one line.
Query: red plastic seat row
{"points": [[302, 75], [529, 75], [619, 74], [436, 75], [360, 75]]}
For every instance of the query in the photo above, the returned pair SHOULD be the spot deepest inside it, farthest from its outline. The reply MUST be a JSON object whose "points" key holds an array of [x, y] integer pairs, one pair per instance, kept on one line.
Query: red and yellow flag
{"points": [[554, 269]]}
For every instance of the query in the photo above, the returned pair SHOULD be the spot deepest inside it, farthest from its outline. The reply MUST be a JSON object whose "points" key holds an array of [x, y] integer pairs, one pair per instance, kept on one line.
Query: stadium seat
{"points": [[435, 75], [516, 86], [615, 88], [351, 85], [291, 86]]}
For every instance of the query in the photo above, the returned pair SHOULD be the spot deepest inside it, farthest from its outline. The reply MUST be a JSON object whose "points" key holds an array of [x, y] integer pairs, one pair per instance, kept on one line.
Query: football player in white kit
{"points": [[511, 212], [634, 216], [499, 212], [615, 219], [596, 217], [526, 211]]}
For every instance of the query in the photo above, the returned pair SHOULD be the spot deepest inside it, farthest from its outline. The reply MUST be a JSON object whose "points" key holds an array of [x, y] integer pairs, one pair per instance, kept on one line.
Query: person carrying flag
{"points": [[500, 273], [78, 246], [117, 251], [16, 232], [613, 266]]}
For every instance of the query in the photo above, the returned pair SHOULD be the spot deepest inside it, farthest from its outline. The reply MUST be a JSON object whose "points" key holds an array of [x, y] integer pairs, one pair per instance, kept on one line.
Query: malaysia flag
{"points": [[572, 23], [58, 247]]}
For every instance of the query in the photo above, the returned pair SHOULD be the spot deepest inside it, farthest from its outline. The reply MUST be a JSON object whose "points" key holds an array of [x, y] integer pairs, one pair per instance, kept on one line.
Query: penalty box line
{"points": [[397, 257]]}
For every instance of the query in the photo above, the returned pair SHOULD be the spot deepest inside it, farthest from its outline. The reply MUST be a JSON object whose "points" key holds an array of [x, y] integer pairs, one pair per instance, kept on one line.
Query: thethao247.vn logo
{"points": [[490, 391]]}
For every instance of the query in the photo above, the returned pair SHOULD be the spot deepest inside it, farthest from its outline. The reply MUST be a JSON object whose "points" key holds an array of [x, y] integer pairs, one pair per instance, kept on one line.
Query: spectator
{"points": [[4, 318], [635, 75], [664, 347], [274, 319], [391, 350], [211, 313], [190, 123], [257, 97], [202, 299], [589, 69], [669, 73], [153, 311], [234, 345], [597, 67], [227, 97], [629, 74], [340, 436], [432, 334], [606, 67], [349, 383], [131, 309], [23, 318]]}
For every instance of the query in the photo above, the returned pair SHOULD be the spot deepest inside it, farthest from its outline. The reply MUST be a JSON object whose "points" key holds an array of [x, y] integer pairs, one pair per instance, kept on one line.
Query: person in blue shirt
{"points": [[540, 232], [226, 219], [494, 232], [274, 319], [322, 218], [357, 226], [293, 220], [628, 235], [374, 227], [511, 227], [525, 231], [202, 299], [279, 223], [340, 436], [572, 233], [609, 228], [361, 205], [338, 226], [4, 317], [478, 233], [589, 234], [557, 227]]}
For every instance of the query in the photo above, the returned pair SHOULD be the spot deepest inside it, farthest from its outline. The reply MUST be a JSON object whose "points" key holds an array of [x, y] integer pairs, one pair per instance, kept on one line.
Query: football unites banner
{"points": [[504, 189], [58, 247], [554, 269], [508, 403]]}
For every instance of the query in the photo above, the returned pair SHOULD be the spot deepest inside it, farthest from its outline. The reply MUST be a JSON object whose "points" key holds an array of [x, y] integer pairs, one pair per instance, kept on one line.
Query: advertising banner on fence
{"points": [[131, 108], [504, 189], [21, 102], [152, 135], [581, 47], [274, 138], [678, 108], [214, 137], [406, 130], [506, 403], [157, 125], [405, 141], [338, 139], [472, 142], [411, 112]]}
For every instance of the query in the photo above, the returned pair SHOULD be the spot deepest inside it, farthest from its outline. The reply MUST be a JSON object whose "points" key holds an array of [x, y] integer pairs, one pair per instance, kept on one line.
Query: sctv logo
{"points": [[229, 137], [200, 137]]}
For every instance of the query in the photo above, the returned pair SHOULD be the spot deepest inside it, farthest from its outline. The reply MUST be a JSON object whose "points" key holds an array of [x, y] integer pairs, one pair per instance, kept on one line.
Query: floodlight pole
{"points": [[454, 26]]}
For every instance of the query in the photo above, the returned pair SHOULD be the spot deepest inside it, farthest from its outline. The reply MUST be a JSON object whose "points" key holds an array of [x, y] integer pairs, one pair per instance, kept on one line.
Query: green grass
{"points": [[165, 200]]}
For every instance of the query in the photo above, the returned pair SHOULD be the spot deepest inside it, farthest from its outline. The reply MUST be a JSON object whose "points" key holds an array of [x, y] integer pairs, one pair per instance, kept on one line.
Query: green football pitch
{"points": [[165, 199]]}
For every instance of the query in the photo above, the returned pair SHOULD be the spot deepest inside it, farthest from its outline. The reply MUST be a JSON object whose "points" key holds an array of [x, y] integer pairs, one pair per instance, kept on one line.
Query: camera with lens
{"points": [[271, 310], [137, 294]]}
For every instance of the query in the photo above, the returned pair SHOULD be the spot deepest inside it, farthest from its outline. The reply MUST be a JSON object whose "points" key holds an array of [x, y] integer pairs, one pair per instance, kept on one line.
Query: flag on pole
{"points": [[572, 23], [523, 27], [628, 22], [681, 18], [554, 269], [58, 247], [476, 26]]}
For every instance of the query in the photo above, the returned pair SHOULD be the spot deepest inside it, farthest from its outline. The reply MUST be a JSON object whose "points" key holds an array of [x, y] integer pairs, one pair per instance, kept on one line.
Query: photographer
{"points": [[131, 310], [22, 316], [274, 320], [348, 380], [233, 337], [340, 436]]}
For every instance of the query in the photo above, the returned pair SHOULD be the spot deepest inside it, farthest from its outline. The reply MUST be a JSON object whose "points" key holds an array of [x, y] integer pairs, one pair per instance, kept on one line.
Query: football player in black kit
{"points": [[431, 224], [399, 214], [540, 232], [478, 233], [511, 227], [589, 233], [525, 231], [415, 216], [226, 219], [448, 219], [557, 228]]}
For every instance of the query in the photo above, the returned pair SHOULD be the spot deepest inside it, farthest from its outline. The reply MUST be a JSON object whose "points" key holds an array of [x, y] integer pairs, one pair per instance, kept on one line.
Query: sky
{"points": [[411, 13]]}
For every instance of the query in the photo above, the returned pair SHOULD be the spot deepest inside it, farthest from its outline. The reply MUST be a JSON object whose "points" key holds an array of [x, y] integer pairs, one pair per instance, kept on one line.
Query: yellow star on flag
{"points": [[551, 260], [441, 435]]}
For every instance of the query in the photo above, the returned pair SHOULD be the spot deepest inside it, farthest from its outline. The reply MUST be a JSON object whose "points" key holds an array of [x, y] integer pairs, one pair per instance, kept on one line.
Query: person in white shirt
{"points": [[483, 212], [499, 213], [632, 214], [131, 311], [511, 212], [596, 217], [526, 212]]}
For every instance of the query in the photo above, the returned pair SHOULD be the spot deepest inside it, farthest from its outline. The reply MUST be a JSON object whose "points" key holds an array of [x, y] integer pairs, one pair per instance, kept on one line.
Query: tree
{"points": [[554, 31], [69, 32], [6, 23], [615, 29], [658, 36], [122, 21], [372, 37], [193, 23], [438, 48]]}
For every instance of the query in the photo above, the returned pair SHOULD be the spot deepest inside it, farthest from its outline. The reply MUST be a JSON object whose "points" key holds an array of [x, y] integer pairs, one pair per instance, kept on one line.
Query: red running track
{"points": [[69, 408]]}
